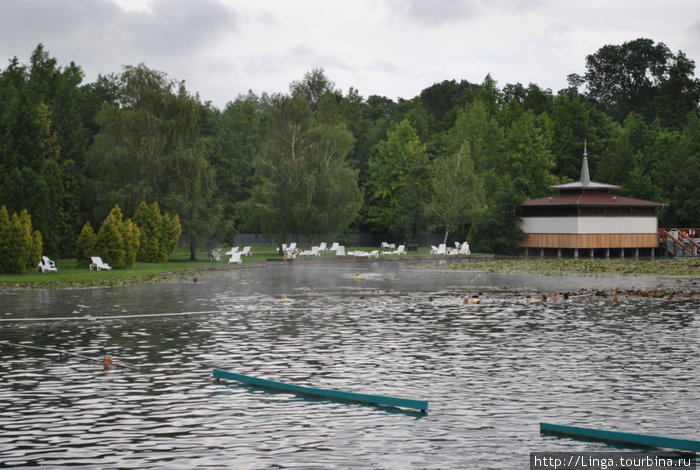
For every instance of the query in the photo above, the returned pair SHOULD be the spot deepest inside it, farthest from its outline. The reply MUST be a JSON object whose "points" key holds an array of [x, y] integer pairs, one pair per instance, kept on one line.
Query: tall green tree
{"points": [[443, 100], [527, 156], [572, 125], [482, 135], [496, 229], [305, 186], [313, 87], [679, 174], [641, 76], [399, 181], [152, 146], [240, 130], [457, 197], [42, 144]]}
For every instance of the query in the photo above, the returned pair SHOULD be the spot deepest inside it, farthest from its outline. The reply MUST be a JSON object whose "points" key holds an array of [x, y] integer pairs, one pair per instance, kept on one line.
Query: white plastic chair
{"points": [[98, 264], [235, 258], [401, 250], [47, 265]]}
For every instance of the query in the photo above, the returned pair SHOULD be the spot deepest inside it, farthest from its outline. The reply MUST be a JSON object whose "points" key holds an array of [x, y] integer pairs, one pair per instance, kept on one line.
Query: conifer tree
{"points": [[85, 246], [171, 230], [118, 240], [150, 223], [159, 233], [21, 244]]}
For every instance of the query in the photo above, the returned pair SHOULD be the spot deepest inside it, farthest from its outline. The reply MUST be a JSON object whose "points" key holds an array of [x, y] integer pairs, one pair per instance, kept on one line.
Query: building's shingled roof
{"points": [[591, 199], [594, 185]]}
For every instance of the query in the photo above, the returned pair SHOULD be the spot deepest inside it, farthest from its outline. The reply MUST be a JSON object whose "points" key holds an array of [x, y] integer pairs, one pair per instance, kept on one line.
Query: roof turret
{"points": [[585, 175], [585, 183]]}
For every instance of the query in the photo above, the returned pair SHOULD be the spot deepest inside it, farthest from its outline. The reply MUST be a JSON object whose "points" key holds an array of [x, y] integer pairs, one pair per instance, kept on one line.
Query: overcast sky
{"points": [[394, 48]]}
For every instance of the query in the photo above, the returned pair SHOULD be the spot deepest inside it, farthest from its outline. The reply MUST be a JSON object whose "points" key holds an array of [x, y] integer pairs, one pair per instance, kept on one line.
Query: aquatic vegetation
{"points": [[660, 267]]}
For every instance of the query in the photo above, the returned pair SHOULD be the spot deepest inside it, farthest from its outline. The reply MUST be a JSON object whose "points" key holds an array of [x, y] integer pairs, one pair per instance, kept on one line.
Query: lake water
{"points": [[491, 372]]}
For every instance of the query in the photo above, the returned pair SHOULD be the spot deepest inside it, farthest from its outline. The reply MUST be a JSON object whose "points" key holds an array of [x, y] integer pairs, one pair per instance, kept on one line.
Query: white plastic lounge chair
{"points": [[464, 249], [98, 264], [232, 251], [246, 251], [442, 249], [364, 254], [388, 246], [290, 250], [235, 258], [47, 265], [314, 251], [433, 250], [334, 246], [214, 255], [323, 246], [401, 250], [340, 250]]}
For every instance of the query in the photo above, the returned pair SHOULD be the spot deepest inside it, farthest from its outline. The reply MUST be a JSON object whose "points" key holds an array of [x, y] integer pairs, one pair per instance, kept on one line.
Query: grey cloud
{"points": [[47, 21], [299, 56], [439, 12], [386, 67], [181, 26], [95, 34], [436, 12]]}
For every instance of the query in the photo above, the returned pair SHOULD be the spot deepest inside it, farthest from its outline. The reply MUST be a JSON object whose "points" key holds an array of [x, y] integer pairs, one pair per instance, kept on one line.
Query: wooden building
{"points": [[587, 215]]}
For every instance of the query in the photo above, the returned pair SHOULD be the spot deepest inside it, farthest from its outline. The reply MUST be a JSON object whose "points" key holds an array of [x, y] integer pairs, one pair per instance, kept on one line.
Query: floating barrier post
{"points": [[646, 440], [320, 392]]}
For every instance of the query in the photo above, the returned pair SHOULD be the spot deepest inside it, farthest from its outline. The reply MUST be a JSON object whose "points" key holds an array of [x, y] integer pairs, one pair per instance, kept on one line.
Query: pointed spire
{"points": [[585, 175]]}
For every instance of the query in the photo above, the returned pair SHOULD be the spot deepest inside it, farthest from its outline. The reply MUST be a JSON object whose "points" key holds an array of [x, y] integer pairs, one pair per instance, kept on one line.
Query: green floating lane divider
{"points": [[623, 437], [320, 392]]}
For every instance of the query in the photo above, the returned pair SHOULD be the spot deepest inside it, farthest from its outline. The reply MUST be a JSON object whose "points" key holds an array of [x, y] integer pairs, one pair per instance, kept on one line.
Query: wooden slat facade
{"points": [[590, 240]]}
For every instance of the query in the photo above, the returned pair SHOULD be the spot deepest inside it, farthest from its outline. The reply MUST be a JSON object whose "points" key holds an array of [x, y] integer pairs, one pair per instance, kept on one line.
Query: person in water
{"points": [[108, 363]]}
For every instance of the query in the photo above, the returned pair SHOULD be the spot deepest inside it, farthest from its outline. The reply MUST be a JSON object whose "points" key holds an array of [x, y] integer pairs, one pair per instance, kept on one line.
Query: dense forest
{"points": [[319, 163]]}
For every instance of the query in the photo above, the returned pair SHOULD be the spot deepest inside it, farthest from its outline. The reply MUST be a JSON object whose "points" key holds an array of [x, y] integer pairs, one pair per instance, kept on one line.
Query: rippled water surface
{"points": [[491, 372]]}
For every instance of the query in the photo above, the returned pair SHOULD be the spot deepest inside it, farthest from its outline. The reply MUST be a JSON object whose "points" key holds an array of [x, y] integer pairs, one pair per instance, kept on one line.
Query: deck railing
{"points": [[680, 239]]}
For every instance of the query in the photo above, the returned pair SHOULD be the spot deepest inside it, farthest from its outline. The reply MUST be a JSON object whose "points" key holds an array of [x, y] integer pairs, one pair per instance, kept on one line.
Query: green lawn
{"points": [[179, 264]]}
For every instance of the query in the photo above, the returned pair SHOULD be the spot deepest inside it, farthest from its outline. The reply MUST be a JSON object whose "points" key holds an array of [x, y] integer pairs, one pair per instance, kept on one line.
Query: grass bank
{"points": [[179, 265]]}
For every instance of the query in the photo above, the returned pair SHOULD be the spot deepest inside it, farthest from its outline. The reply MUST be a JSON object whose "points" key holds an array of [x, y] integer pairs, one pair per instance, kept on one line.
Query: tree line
{"points": [[317, 162]]}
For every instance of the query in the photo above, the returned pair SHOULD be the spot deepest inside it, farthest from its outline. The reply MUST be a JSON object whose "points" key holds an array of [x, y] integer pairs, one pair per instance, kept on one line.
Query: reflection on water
{"points": [[491, 372]]}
